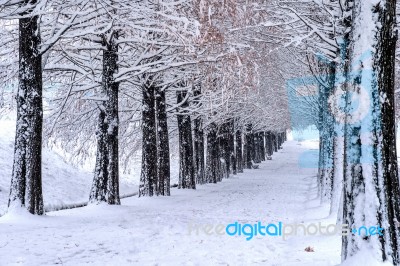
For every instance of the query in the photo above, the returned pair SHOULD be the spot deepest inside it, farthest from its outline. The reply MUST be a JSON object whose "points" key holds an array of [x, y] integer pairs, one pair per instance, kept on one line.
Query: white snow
{"points": [[155, 231], [63, 184]]}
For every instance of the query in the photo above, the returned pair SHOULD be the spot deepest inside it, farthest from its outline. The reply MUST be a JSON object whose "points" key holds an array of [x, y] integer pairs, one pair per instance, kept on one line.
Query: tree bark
{"points": [[105, 185], [148, 176], [249, 147], [186, 164], [231, 147], [98, 192], [212, 162], [262, 145], [256, 147], [341, 78], [269, 144], [239, 152], [110, 68], [199, 143], [275, 141], [371, 183], [163, 160], [26, 182], [327, 132], [226, 146]]}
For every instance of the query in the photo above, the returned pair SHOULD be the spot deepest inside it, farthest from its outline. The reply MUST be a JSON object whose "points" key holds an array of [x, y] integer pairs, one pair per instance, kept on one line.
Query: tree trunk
{"points": [[226, 146], [249, 147], [110, 67], [199, 143], [26, 182], [269, 144], [105, 185], [148, 176], [341, 78], [371, 183], [212, 161], [275, 141], [163, 165], [239, 153], [327, 132], [98, 192], [232, 142], [199, 151], [262, 145], [280, 140], [256, 147], [231, 146], [186, 164]]}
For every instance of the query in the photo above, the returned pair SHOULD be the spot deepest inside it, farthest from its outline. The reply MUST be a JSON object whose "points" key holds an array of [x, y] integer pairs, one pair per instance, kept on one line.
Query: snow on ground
{"points": [[62, 183], [156, 231]]}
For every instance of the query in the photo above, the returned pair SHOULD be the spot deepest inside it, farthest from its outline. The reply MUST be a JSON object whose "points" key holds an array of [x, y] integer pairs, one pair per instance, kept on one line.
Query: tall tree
{"points": [[26, 182], [198, 133], [249, 146], [239, 151], [148, 176], [98, 192], [163, 160], [106, 180], [186, 163], [371, 183], [212, 162]]}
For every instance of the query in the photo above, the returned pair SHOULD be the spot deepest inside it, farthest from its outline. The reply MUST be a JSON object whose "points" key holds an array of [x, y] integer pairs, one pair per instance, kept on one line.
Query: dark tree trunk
{"points": [[320, 165], [232, 142], [226, 146], [262, 145], [275, 141], [98, 192], [345, 53], [186, 164], [249, 147], [280, 140], [163, 165], [220, 167], [256, 147], [327, 131], [199, 142], [239, 152], [385, 66], [212, 162], [110, 67], [371, 183], [26, 182], [269, 143], [245, 147], [105, 185], [231, 148], [253, 150], [199, 150], [148, 176]]}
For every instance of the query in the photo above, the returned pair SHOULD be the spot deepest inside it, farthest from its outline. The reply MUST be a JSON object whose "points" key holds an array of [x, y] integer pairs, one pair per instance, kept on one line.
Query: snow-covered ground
{"points": [[155, 231], [62, 183]]}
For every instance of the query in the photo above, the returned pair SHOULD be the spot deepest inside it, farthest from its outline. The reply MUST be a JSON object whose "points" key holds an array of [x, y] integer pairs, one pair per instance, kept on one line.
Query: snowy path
{"points": [[155, 231]]}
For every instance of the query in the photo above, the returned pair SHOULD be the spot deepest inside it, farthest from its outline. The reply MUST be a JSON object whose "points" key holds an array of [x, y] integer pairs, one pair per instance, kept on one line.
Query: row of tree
{"points": [[122, 74], [350, 48], [130, 76]]}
